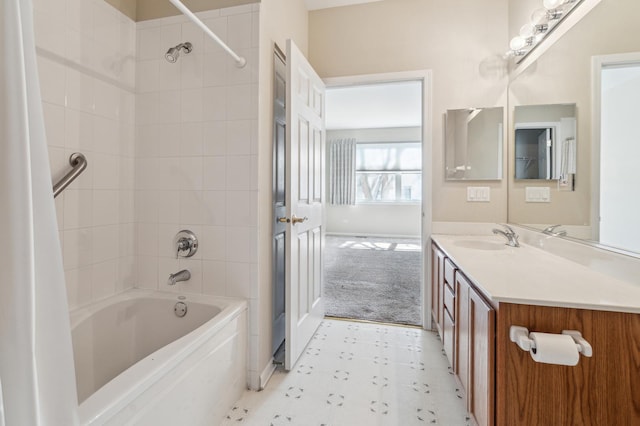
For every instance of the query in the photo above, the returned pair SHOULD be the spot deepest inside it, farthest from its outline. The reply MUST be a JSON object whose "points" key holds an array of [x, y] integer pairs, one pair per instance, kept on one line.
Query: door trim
{"points": [[427, 163]]}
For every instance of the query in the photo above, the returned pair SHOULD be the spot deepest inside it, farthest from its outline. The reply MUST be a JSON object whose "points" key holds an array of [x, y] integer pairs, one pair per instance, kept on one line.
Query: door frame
{"points": [[427, 164], [598, 63]]}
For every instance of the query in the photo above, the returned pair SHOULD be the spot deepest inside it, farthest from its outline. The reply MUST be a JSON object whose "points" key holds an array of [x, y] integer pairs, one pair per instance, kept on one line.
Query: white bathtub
{"points": [[137, 363]]}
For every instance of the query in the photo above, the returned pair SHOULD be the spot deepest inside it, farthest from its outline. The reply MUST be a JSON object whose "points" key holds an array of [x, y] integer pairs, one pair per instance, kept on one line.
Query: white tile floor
{"points": [[356, 374]]}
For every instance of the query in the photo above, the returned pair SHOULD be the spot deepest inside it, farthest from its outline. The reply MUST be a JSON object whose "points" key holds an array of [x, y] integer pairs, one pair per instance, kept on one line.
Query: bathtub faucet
{"points": [[183, 275]]}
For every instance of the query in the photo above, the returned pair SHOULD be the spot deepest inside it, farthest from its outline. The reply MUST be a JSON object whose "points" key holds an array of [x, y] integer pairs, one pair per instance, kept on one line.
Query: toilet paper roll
{"points": [[554, 349]]}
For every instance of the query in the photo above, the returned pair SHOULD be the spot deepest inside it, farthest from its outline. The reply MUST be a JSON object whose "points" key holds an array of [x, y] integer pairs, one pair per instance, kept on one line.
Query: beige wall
{"points": [[455, 39], [142, 10], [279, 20], [563, 75]]}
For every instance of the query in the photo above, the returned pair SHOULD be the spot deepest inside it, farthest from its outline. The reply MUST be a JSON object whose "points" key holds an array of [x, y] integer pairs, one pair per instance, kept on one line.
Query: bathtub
{"points": [[138, 363]]}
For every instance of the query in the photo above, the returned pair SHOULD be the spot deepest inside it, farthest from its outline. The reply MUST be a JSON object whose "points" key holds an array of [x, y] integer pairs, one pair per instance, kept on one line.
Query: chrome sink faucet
{"points": [[183, 275], [509, 234], [550, 230]]}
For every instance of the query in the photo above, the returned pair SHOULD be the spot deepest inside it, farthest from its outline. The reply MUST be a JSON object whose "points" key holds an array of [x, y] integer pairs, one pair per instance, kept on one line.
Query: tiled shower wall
{"points": [[196, 156], [86, 62]]}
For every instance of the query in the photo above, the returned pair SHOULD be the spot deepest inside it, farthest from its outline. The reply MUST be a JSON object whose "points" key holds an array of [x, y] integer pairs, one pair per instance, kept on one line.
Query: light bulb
{"points": [[539, 17], [527, 30], [517, 43]]}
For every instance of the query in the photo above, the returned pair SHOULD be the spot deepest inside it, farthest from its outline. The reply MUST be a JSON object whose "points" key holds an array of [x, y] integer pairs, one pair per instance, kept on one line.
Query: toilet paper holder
{"points": [[520, 336]]}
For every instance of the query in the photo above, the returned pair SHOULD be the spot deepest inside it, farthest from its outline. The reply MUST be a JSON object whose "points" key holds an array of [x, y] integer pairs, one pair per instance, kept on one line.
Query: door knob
{"points": [[284, 219], [295, 219]]}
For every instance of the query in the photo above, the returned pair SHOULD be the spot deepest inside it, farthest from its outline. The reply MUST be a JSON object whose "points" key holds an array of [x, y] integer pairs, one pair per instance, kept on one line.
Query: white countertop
{"points": [[528, 275]]}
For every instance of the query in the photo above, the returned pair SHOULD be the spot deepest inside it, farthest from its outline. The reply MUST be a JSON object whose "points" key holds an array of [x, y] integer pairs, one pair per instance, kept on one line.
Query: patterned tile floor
{"points": [[354, 374]]}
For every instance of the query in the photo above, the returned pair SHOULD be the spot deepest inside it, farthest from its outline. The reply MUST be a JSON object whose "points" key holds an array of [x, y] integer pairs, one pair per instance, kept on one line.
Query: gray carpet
{"points": [[374, 279]]}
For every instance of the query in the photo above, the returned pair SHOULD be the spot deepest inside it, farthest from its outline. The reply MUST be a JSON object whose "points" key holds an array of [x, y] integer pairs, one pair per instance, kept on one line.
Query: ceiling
{"points": [[325, 4], [374, 106]]}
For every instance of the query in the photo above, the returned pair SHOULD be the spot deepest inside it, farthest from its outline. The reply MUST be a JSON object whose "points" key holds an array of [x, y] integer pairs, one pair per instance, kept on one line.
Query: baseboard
{"points": [[266, 374]]}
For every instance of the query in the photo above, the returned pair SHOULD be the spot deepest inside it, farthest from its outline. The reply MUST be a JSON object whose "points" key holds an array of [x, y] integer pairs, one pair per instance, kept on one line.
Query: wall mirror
{"points": [[545, 142], [573, 72], [474, 143]]}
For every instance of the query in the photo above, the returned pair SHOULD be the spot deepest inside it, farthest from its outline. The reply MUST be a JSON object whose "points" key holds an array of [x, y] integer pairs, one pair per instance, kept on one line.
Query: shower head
{"points": [[174, 52]]}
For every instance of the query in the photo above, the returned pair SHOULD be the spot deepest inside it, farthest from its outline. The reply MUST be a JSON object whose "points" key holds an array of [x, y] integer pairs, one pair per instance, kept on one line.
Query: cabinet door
{"points": [[481, 392], [462, 332], [437, 286]]}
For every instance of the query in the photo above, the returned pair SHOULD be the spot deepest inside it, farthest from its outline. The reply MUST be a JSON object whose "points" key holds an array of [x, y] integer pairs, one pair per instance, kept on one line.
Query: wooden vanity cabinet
{"points": [[475, 350], [467, 329], [437, 287]]}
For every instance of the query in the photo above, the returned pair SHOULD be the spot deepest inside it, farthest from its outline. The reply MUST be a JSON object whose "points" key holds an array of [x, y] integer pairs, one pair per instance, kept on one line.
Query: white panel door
{"points": [[304, 199]]}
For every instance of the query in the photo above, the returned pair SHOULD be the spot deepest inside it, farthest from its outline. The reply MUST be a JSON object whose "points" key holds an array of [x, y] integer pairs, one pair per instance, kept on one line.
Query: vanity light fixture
{"points": [[541, 22]]}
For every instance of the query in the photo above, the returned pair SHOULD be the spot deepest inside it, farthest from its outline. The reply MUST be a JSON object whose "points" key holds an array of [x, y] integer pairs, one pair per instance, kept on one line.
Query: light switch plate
{"points": [[477, 194], [534, 194]]}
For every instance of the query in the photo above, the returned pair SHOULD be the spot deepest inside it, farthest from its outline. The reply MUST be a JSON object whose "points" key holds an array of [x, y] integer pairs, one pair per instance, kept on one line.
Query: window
{"points": [[389, 172]]}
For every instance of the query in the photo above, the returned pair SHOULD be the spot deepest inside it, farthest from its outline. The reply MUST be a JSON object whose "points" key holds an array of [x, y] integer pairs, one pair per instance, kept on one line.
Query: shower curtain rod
{"points": [[240, 61]]}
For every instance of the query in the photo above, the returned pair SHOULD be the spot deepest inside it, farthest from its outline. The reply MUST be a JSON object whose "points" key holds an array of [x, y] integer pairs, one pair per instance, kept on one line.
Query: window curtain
{"points": [[36, 357], [342, 171]]}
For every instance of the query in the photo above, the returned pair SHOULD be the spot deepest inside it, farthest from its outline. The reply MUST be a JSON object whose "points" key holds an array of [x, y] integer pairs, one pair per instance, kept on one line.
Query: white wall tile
{"points": [[168, 142], [54, 124], [215, 69], [214, 138], [79, 284], [147, 108], [78, 130], [79, 91], [192, 71], [106, 207], [239, 137], [147, 272], [215, 104], [214, 277], [149, 44], [191, 172], [239, 244], [170, 36], [166, 240], [104, 278], [169, 107], [105, 243], [239, 102], [239, 32], [147, 239], [238, 175], [215, 173], [148, 76], [191, 207], [191, 105], [170, 75], [215, 207], [191, 139], [51, 74], [169, 207], [239, 211], [78, 208], [213, 242], [78, 248], [238, 280]]}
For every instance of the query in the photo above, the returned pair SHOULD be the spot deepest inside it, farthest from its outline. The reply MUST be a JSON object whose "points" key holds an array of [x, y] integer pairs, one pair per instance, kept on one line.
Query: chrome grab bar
{"points": [[79, 163]]}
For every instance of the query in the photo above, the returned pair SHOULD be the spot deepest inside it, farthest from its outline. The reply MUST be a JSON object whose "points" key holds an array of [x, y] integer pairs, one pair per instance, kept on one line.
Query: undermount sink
{"points": [[480, 244]]}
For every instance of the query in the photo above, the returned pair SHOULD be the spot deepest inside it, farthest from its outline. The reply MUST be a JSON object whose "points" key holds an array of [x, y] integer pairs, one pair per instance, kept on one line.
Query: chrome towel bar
{"points": [[79, 163]]}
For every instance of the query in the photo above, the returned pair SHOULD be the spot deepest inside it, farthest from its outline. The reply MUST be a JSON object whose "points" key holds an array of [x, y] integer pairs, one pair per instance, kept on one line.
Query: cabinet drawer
{"points": [[448, 338], [449, 301], [449, 272]]}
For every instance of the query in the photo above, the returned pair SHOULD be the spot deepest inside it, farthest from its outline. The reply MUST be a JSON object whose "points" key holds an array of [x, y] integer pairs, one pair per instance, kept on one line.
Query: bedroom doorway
{"points": [[373, 267]]}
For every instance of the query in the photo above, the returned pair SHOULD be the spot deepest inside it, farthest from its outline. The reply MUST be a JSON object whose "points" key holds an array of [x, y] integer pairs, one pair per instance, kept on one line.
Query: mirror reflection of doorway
{"points": [[373, 258], [619, 153]]}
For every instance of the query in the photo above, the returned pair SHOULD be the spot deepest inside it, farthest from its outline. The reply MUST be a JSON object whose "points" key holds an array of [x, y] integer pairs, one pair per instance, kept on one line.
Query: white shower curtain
{"points": [[36, 360], [342, 171]]}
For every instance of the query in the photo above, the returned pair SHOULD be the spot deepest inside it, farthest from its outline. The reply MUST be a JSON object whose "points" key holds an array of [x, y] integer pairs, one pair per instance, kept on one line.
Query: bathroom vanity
{"points": [[481, 287]]}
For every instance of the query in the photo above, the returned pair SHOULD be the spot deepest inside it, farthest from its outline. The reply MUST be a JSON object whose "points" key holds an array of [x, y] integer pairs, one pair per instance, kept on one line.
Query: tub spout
{"points": [[183, 275]]}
